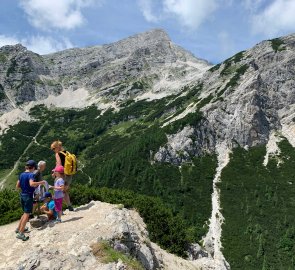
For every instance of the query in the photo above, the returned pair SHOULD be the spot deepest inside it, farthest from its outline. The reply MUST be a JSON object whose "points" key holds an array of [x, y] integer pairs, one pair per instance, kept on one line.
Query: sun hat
{"points": [[59, 169]]}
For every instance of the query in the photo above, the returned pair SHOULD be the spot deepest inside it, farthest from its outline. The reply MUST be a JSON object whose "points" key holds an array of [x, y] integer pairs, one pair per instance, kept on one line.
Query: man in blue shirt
{"points": [[49, 207], [27, 185]]}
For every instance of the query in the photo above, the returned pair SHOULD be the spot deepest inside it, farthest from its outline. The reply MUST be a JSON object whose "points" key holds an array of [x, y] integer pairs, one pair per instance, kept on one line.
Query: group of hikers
{"points": [[35, 190]]}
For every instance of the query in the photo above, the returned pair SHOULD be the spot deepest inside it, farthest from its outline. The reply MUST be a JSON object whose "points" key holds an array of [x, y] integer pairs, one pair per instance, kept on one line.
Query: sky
{"points": [[211, 29]]}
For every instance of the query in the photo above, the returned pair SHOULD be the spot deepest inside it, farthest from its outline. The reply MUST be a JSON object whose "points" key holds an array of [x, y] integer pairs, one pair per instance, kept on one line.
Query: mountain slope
{"points": [[147, 65]]}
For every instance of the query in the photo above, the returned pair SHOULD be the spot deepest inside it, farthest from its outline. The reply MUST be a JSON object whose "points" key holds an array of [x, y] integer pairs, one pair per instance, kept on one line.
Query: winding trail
{"points": [[212, 240], [18, 161]]}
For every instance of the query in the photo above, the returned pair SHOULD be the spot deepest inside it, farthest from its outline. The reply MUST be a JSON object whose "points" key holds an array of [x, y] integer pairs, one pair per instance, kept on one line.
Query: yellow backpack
{"points": [[70, 166]]}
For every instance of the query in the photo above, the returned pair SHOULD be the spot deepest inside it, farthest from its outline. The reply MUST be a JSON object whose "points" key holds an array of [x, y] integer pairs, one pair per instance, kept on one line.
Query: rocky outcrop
{"points": [[69, 245], [24, 76]]}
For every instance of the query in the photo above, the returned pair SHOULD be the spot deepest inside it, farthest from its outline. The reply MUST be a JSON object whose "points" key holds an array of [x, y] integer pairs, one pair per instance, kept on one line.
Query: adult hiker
{"points": [[27, 184], [40, 190], [69, 162], [49, 206]]}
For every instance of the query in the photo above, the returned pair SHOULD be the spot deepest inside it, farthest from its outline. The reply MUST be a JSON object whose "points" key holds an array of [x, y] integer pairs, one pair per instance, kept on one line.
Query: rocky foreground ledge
{"points": [[74, 244]]}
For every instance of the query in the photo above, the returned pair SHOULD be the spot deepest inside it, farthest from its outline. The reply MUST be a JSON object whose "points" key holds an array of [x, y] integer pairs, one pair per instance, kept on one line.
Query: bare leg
{"points": [[24, 220], [67, 198], [20, 222]]}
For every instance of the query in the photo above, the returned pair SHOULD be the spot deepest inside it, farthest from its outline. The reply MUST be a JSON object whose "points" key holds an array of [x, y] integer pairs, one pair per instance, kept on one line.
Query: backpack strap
{"points": [[62, 152]]}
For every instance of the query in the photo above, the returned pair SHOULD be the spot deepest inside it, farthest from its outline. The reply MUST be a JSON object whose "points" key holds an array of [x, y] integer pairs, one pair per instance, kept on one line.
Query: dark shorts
{"points": [[27, 203]]}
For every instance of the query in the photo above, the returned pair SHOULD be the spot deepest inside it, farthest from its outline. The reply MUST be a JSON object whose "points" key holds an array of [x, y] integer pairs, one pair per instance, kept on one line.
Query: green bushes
{"points": [[3, 57], [10, 208], [276, 44]]}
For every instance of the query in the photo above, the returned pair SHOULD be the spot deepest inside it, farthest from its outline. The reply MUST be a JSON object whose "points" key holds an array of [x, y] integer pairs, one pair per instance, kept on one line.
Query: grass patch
{"points": [[3, 58], [215, 67], [106, 254]]}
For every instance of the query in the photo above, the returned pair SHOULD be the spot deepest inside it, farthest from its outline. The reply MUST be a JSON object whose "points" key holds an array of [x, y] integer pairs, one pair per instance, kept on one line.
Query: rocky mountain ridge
{"points": [[73, 243], [140, 66], [250, 97]]}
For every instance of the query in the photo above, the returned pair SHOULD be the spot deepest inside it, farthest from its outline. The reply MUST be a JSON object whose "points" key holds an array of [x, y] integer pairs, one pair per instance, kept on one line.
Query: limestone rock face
{"points": [[24, 76], [251, 95], [147, 63], [68, 245]]}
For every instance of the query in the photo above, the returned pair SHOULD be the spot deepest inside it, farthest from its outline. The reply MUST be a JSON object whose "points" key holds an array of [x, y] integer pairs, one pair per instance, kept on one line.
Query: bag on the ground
{"points": [[70, 166]]}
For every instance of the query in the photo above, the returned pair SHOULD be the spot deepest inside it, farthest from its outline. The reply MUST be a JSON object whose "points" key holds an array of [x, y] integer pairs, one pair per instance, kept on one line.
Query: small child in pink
{"points": [[58, 190]]}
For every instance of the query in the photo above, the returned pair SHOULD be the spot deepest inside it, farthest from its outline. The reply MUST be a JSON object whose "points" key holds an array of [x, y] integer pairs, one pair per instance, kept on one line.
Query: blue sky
{"points": [[211, 29]]}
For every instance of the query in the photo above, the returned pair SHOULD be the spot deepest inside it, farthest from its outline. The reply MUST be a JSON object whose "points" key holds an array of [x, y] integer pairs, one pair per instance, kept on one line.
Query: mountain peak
{"points": [[156, 34]]}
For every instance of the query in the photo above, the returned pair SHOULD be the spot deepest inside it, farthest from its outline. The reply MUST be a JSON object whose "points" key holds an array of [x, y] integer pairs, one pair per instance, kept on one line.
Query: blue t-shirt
{"points": [[59, 193], [51, 206], [24, 180]]}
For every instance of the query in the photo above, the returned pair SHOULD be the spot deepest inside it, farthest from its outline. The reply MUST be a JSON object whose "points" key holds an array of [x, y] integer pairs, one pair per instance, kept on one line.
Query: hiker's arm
{"points": [[17, 186], [58, 160], [59, 188], [49, 212], [35, 184]]}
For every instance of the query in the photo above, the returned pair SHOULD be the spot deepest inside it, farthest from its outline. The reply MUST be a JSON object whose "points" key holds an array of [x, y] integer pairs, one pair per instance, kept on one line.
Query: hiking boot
{"points": [[22, 237], [26, 230], [57, 220], [70, 208]]}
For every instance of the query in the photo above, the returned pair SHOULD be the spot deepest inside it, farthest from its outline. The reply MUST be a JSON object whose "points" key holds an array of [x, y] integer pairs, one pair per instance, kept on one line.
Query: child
{"points": [[27, 185], [49, 207], [58, 190]]}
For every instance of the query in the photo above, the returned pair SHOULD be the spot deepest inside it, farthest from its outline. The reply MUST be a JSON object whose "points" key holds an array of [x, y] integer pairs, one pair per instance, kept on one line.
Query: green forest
{"points": [[258, 205]]}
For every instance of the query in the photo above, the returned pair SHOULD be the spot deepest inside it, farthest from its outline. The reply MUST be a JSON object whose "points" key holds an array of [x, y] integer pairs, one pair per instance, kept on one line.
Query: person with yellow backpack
{"points": [[69, 162]]}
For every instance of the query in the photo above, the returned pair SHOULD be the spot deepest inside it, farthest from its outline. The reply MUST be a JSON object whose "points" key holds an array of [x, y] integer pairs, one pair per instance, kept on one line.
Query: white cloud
{"points": [[38, 44], [58, 14], [275, 18], [147, 9], [5, 40], [189, 13]]}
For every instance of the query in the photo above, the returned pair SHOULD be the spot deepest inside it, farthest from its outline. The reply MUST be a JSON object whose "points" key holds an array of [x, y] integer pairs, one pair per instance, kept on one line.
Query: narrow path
{"points": [[18, 161], [81, 166], [212, 240]]}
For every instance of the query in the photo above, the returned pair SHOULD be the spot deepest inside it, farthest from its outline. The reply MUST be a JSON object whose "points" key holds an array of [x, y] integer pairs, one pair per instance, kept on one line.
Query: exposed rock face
{"points": [[68, 245], [147, 63], [253, 95], [24, 76]]}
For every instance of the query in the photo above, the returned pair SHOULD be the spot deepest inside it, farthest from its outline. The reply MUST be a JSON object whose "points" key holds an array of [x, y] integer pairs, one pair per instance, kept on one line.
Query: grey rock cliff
{"points": [[147, 62], [253, 95]]}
